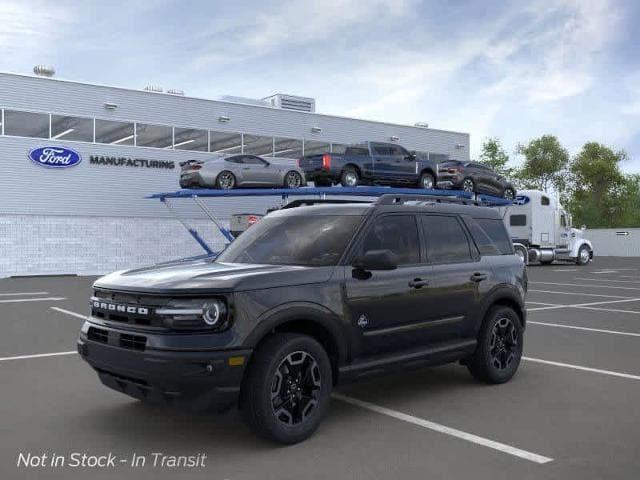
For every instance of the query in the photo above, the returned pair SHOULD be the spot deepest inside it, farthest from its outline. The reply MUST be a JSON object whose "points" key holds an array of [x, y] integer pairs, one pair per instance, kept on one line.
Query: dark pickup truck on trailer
{"points": [[310, 297], [371, 163]]}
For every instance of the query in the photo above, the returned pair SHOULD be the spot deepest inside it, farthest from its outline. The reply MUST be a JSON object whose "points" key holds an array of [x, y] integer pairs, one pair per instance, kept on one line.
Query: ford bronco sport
{"points": [[310, 297]]}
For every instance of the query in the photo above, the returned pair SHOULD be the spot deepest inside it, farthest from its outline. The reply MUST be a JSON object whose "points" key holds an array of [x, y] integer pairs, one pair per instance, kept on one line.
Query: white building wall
{"points": [[615, 242]]}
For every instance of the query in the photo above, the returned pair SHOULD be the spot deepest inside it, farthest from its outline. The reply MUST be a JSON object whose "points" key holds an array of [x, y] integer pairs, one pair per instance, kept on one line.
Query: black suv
{"points": [[310, 297], [474, 177]]}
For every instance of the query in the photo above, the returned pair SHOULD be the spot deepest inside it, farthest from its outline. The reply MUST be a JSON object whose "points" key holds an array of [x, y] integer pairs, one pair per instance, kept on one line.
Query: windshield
{"points": [[313, 240]]}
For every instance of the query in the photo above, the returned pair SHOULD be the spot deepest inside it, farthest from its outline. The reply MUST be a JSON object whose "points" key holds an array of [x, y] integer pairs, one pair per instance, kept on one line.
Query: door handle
{"points": [[478, 277], [418, 283]]}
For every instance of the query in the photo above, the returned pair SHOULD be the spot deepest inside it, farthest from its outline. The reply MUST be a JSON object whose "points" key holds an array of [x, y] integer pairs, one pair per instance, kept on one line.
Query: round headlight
{"points": [[212, 313]]}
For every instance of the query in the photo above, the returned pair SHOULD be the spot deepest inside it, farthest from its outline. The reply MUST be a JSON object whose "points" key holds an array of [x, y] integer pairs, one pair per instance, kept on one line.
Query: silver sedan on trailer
{"points": [[234, 171]]}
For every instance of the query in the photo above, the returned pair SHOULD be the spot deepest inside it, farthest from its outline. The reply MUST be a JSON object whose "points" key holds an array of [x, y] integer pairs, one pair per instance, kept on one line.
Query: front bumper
{"points": [[198, 380]]}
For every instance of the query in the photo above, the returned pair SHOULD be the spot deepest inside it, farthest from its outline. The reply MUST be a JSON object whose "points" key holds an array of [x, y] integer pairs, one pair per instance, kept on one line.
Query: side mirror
{"points": [[411, 156], [377, 260]]}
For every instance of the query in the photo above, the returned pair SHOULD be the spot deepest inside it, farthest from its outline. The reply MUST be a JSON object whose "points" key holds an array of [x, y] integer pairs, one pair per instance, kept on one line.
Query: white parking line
{"points": [[69, 312], [17, 294], [617, 310], [576, 293], [586, 305], [586, 329], [582, 285], [565, 270], [470, 437], [608, 280], [541, 303], [42, 299], [39, 355], [580, 367]]}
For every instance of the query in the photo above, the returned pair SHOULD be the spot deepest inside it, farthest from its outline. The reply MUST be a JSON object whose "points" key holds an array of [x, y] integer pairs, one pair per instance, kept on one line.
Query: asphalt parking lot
{"points": [[571, 412]]}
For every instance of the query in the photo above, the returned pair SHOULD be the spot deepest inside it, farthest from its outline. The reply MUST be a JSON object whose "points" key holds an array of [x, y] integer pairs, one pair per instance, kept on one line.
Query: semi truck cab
{"points": [[541, 230]]}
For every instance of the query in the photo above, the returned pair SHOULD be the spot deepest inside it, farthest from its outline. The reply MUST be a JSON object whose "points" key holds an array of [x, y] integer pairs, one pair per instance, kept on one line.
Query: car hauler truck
{"points": [[541, 230]]}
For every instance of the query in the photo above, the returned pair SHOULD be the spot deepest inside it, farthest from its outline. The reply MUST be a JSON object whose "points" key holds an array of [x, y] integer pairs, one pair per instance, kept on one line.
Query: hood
{"points": [[206, 276]]}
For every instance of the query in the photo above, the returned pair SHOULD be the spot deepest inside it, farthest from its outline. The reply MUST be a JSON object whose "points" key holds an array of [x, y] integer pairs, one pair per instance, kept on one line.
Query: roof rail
{"points": [[315, 201], [391, 199]]}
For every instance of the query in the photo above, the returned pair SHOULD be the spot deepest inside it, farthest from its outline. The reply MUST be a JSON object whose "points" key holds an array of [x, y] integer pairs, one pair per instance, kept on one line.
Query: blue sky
{"points": [[514, 70]]}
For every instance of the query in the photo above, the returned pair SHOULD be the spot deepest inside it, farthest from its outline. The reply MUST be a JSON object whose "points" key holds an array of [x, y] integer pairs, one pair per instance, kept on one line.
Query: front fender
{"points": [[297, 311], [578, 243]]}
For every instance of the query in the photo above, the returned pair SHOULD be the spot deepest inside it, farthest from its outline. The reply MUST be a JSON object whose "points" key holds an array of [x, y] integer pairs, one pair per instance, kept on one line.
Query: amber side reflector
{"points": [[236, 361]]}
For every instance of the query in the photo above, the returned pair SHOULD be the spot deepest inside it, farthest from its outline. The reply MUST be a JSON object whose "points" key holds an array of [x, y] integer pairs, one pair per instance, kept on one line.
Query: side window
{"points": [[494, 229], [397, 233], [251, 160], [544, 201], [398, 151], [446, 239], [381, 150], [357, 151], [237, 159], [518, 220]]}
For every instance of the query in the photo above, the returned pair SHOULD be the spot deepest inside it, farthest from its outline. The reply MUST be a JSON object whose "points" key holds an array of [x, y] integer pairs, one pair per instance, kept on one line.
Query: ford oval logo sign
{"points": [[55, 157]]}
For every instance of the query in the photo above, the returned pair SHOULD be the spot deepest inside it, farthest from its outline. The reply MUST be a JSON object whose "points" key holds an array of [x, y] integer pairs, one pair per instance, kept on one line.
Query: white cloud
{"points": [[31, 25]]}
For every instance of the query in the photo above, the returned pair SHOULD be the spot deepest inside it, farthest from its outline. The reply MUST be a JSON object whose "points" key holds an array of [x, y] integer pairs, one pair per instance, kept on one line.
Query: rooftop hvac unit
{"points": [[292, 102], [44, 70], [176, 91], [153, 88]]}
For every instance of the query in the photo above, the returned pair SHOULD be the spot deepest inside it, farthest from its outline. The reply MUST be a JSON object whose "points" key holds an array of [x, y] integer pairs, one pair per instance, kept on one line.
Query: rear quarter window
{"points": [[490, 236]]}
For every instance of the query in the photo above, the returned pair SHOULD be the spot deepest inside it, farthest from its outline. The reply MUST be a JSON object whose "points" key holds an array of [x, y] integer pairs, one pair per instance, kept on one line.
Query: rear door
{"points": [[456, 274]]}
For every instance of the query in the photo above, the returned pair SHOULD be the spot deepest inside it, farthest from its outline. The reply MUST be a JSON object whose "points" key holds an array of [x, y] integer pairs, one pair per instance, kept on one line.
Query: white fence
{"points": [[615, 242]]}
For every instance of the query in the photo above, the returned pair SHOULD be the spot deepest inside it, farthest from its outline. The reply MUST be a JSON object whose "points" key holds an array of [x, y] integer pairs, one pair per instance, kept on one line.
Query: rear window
{"points": [[490, 236]]}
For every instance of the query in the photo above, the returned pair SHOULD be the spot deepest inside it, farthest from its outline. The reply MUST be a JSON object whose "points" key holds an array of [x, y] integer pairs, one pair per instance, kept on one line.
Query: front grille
{"points": [[135, 310], [133, 342], [98, 335]]}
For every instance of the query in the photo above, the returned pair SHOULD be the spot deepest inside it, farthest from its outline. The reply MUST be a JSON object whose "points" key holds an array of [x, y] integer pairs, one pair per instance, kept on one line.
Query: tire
{"points": [[468, 185], [273, 359], [349, 177], [496, 361], [427, 181], [225, 180], [584, 255], [508, 194], [292, 179]]}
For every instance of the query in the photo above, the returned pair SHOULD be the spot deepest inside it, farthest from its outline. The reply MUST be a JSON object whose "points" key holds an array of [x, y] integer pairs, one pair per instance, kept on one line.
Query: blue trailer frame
{"points": [[322, 192]]}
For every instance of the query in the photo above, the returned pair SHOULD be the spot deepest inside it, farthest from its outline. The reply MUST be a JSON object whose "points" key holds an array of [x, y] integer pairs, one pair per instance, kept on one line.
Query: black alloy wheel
{"points": [[295, 388], [504, 343]]}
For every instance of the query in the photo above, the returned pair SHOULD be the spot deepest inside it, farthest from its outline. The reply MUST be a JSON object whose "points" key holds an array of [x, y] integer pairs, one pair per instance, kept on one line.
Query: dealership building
{"points": [[120, 145]]}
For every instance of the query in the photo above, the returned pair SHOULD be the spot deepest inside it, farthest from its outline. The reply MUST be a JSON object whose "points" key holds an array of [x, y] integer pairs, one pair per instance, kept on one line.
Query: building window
{"points": [[338, 148], [157, 136], [312, 147], [190, 139], [26, 124], [225, 142], [287, 148], [71, 128], [114, 133], [257, 145]]}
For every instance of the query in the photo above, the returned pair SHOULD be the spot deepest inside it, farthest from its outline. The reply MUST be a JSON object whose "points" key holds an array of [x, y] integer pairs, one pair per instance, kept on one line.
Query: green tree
{"points": [[601, 194], [494, 156], [545, 163]]}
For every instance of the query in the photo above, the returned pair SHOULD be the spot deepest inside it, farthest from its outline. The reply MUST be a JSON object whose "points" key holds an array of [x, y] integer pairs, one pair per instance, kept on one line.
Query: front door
{"points": [[386, 306], [255, 170]]}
